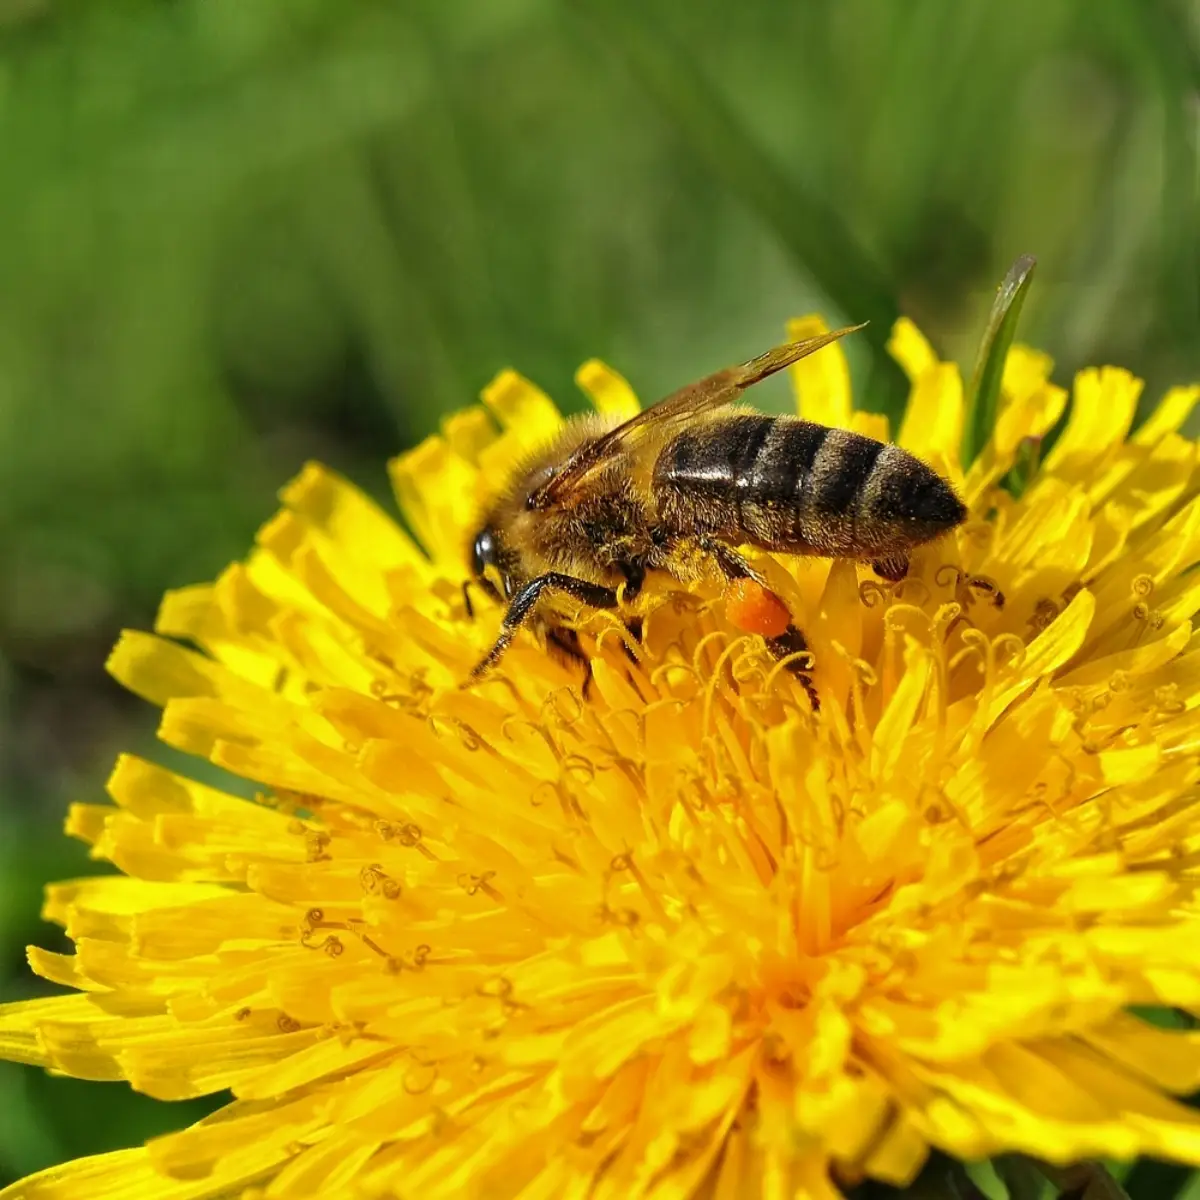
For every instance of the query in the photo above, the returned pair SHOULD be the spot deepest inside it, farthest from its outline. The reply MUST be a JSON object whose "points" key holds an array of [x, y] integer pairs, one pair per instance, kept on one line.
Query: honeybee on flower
{"points": [[683, 936]]}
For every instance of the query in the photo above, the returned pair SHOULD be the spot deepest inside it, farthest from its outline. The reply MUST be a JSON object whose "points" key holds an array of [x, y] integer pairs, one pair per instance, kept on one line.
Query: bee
{"points": [[684, 485]]}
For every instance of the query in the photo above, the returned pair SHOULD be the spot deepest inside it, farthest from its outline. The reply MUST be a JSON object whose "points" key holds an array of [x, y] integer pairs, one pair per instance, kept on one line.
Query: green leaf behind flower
{"points": [[983, 398]]}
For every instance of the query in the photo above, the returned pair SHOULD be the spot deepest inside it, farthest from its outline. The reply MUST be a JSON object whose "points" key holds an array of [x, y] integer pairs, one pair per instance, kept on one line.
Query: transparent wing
{"points": [[656, 422]]}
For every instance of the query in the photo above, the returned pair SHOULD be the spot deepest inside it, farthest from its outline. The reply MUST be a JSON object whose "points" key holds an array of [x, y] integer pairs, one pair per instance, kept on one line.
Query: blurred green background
{"points": [[236, 234]]}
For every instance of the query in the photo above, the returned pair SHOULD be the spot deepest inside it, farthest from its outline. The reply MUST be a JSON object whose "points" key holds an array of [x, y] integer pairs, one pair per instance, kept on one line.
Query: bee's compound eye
{"points": [[483, 553]]}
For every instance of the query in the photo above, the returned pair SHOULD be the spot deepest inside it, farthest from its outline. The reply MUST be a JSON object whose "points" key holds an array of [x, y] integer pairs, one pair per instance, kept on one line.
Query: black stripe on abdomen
{"points": [[827, 512], [833, 484], [784, 461], [698, 475], [739, 475], [713, 459]]}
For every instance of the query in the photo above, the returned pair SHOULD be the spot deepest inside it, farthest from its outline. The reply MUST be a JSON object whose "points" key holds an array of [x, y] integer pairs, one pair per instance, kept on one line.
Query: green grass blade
{"points": [[983, 399], [1021, 1178], [806, 223], [1085, 1180], [1150, 1179]]}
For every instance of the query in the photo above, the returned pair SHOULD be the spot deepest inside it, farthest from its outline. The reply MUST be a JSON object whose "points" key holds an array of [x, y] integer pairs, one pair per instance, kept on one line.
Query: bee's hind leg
{"points": [[790, 642], [731, 563], [892, 569]]}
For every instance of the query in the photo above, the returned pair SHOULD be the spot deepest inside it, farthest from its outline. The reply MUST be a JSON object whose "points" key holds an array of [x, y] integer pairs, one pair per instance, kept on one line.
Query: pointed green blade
{"points": [[983, 399], [1153, 1180]]}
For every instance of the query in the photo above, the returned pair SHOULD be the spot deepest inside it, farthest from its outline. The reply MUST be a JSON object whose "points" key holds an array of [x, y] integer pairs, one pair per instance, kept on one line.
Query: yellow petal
{"points": [[908, 346], [608, 391], [1102, 411], [524, 411], [1172, 411], [346, 516], [468, 432], [436, 491], [822, 380]]}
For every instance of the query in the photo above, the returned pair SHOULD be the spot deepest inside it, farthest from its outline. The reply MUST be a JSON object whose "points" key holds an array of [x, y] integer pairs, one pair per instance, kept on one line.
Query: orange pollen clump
{"points": [[755, 609]]}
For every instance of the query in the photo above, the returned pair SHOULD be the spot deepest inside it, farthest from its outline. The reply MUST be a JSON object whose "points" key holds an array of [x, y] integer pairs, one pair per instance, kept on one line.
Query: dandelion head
{"points": [[674, 934]]}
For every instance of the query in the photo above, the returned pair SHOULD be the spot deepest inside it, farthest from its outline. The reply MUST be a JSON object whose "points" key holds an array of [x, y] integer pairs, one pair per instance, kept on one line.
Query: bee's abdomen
{"points": [[789, 484], [732, 475]]}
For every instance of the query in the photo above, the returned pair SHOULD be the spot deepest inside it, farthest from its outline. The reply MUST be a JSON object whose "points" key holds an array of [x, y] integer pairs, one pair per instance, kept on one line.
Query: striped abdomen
{"points": [[797, 487]]}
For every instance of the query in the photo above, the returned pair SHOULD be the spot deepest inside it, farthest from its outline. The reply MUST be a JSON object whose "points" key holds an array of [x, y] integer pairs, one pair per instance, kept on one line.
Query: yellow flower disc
{"points": [[678, 937]]}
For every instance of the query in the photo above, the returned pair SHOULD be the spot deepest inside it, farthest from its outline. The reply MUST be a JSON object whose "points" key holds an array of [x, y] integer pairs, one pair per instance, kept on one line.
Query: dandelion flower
{"points": [[682, 937]]}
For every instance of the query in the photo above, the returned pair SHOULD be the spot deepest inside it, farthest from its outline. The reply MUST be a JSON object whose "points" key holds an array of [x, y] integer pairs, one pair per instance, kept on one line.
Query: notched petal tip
{"points": [[608, 390]]}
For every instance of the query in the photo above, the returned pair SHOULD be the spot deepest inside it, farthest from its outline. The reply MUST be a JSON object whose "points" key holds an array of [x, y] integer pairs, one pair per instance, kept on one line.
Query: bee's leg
{"points": [[792, 641], [634, 626], [466, 589], [521, 607], [731, 563], [635, 577], [566, 642], [892, 569]]}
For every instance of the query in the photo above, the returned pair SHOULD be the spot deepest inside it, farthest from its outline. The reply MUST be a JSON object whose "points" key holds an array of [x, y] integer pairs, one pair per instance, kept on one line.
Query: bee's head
{"points": [[487, 563]]}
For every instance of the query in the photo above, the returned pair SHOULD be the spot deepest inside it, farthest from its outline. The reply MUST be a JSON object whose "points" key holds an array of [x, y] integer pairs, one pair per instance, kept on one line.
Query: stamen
{"points": [[316, 846], [500, 676], [499, 987], [375, 881], [579, 767], [551, 707], [1045, 612], [625, 862], [948, 575], [716, 635], [409, 834], [538, 729], [420, 1079], [872, 593], [470, 740], [748, 667], [803, 660], [659, 674], [1150, 618], [988, 586], [716, 680], [1012, 647], [975, 645], [912, 590], [474, 884]]}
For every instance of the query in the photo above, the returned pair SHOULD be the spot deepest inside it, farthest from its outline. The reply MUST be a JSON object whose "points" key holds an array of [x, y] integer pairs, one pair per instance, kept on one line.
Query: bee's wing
{"points": [[721, 388]]}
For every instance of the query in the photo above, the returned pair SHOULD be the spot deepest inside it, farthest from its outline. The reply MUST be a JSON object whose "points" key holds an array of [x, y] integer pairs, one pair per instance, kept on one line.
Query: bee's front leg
{"points": [[523, 603]]}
